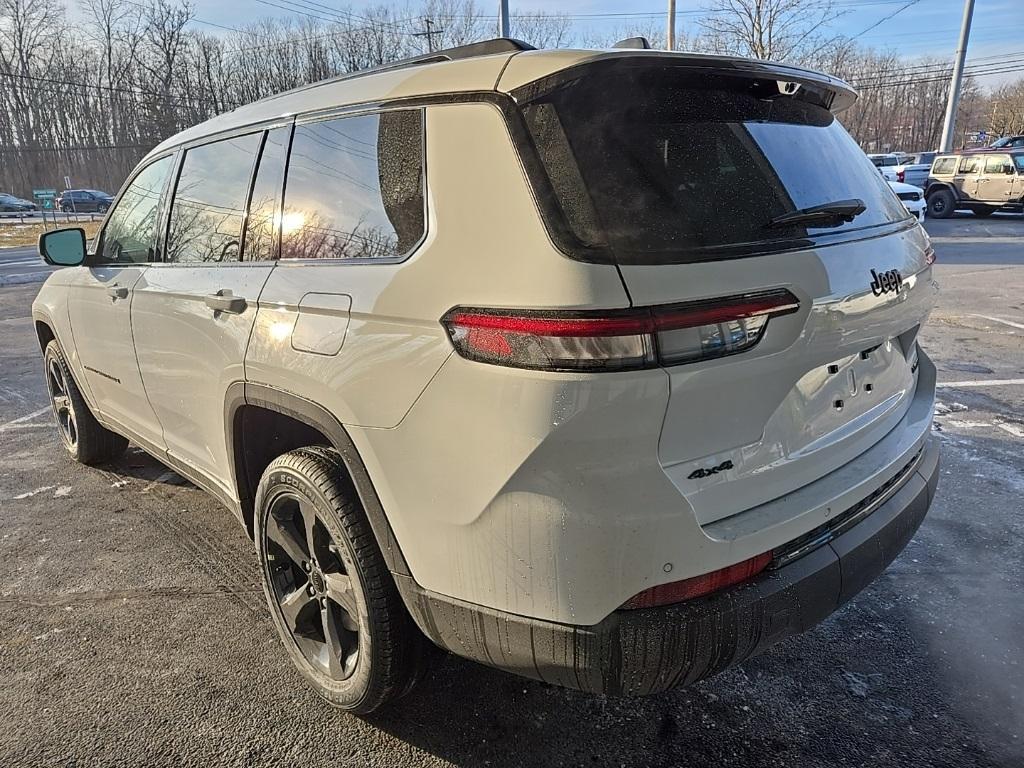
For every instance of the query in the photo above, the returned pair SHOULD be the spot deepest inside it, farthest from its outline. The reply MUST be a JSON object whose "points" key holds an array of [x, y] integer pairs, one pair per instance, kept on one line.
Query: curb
{"points": [[28, 277]]}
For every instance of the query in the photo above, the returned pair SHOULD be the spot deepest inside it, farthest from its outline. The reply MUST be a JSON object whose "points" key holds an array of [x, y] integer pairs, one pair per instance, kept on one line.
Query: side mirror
{"points": [[63, 247], [1008, 169]]}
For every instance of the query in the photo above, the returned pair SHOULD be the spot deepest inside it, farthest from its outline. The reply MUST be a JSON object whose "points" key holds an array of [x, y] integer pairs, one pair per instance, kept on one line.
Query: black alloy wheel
{"points": [[312, 589], [63, 407], [331, 595]]}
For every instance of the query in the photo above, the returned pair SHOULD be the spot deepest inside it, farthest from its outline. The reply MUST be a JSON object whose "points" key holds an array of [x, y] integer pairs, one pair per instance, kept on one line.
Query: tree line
{"points": [[89, 99]]}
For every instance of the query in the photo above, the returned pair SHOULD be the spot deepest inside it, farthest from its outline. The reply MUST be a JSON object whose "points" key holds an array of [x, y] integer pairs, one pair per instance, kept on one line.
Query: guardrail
{"points": [[36, 217]]}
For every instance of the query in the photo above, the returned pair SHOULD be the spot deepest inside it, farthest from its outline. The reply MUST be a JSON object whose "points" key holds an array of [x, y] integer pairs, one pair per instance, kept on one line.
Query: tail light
{"points": [[616, 340], [900, 175], [698, 586]]}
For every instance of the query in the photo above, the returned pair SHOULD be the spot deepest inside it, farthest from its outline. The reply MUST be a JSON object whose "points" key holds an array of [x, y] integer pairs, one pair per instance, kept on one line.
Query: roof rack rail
{"points": [[468, 51], [483, 48]]}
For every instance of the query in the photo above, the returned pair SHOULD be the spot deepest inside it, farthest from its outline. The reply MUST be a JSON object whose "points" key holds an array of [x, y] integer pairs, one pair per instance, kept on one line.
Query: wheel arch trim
{"points": [[935, 186], [286, 403]]}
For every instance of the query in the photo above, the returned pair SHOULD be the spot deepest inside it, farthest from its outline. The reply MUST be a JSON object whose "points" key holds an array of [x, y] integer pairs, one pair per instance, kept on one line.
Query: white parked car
{"points": [[912, 198], [580, 364]]}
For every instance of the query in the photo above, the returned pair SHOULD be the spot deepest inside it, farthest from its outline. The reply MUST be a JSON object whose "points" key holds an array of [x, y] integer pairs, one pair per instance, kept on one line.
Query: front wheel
{"points": [[102, 208], [941, 204], [331, 597], [88, 441]]}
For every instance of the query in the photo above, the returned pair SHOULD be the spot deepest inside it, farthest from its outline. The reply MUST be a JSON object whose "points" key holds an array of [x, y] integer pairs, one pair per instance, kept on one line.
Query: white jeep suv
{"points": [[581, 364]]}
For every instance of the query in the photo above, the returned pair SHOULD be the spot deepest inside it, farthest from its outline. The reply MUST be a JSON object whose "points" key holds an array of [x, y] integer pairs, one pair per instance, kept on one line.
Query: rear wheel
{"points": [[941, 204], [331, 596], [984, 212], [86, 439]]}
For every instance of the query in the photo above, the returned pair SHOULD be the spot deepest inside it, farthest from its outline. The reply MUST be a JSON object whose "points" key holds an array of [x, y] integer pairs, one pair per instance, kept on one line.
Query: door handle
{"points": [[224, 301], [117, 292]]}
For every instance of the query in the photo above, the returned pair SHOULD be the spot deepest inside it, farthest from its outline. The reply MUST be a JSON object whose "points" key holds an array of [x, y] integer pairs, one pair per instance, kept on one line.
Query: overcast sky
{"points": [[926, 27]]}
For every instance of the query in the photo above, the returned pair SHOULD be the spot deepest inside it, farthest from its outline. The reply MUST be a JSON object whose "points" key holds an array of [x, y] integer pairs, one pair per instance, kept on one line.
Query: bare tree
{"points": [[781, 30], [89, 101]]}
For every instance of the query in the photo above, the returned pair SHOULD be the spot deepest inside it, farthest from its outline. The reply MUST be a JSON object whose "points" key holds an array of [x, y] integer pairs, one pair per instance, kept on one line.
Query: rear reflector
{"points": [[643, 337], [705, 584]]}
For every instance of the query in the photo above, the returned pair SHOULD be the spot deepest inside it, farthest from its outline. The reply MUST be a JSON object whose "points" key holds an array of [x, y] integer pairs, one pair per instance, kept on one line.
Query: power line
{"points": [[937, 69], [18, 150], [157, 95], [921, 81], [429, 33]]}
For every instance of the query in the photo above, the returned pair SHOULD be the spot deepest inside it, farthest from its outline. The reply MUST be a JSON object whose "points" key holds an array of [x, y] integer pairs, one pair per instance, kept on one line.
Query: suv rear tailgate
{"points": [[707, 180], [822, 386]]}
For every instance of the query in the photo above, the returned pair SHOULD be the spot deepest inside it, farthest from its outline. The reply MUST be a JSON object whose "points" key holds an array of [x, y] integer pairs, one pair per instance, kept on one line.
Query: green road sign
{"points": [[43, 194]]}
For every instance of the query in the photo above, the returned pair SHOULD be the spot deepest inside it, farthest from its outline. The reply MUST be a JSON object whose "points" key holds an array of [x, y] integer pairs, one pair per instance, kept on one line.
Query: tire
{"points": [[88, 441], [941, 204], [102, 208], [984, 213], [338, 613]]}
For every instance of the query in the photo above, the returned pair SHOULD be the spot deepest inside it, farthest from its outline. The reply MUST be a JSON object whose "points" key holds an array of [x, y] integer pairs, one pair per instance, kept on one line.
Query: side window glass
{"points": [[944, 165], [208, 207], [355, 188], [130, 233], [970, 165], [264, 222], [995, 163]]}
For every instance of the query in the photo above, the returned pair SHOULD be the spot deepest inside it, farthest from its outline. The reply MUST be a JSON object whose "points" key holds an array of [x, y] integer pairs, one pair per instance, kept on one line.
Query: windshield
{"points": [[654, 161]]}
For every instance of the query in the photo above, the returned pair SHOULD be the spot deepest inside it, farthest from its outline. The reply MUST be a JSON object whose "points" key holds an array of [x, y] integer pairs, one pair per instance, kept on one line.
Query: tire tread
{"points": [[396, 651]]}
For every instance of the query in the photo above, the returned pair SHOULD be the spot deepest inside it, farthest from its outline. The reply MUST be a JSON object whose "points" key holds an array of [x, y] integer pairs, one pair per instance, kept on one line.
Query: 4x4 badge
{"points": [[890, 281], [702, 472]]}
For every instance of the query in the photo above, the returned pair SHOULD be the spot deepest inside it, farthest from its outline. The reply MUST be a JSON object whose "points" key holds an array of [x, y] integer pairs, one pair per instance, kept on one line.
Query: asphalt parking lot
{"points": [[133, 628]]}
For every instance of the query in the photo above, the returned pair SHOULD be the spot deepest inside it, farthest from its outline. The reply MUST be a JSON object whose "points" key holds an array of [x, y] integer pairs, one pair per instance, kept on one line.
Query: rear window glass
{"points": [[655, 162]]}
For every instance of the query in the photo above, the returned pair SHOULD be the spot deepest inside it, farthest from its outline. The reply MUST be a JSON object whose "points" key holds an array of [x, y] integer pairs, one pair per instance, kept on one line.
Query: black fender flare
{"points": [[316, 416], [937, 185]]}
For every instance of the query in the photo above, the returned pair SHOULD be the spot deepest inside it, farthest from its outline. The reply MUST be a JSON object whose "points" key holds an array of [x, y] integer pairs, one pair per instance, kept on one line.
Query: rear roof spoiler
{"points": [[533, 66]]}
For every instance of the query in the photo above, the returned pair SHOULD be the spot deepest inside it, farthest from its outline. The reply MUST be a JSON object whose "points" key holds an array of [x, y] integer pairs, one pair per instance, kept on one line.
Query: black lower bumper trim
{"points": [[645, 651]]}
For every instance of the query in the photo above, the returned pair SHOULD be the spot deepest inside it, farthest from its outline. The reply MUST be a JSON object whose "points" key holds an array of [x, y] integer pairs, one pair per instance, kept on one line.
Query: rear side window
{"points": [[208, 207], [355, 188], [970, 164], [661, 165], [944, 166], [130, 233]]}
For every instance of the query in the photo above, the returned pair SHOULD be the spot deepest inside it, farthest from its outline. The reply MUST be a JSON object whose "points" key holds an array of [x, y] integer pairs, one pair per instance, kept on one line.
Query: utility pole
{"points": [[958, 73], [503, 23], [428, 33], [670, 31]]}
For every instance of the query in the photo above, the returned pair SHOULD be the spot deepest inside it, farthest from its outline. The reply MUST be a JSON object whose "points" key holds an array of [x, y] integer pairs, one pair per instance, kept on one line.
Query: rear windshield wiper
{"points": [[825, 215]]}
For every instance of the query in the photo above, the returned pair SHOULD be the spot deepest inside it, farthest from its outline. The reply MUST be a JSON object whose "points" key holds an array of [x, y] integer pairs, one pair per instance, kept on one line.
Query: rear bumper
{"points": [[647, 651]]}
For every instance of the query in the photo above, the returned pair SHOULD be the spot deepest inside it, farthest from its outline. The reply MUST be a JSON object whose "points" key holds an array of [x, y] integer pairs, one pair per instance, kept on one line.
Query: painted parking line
{"points": [[980, 383], [22, 419], [1010, 323]]}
